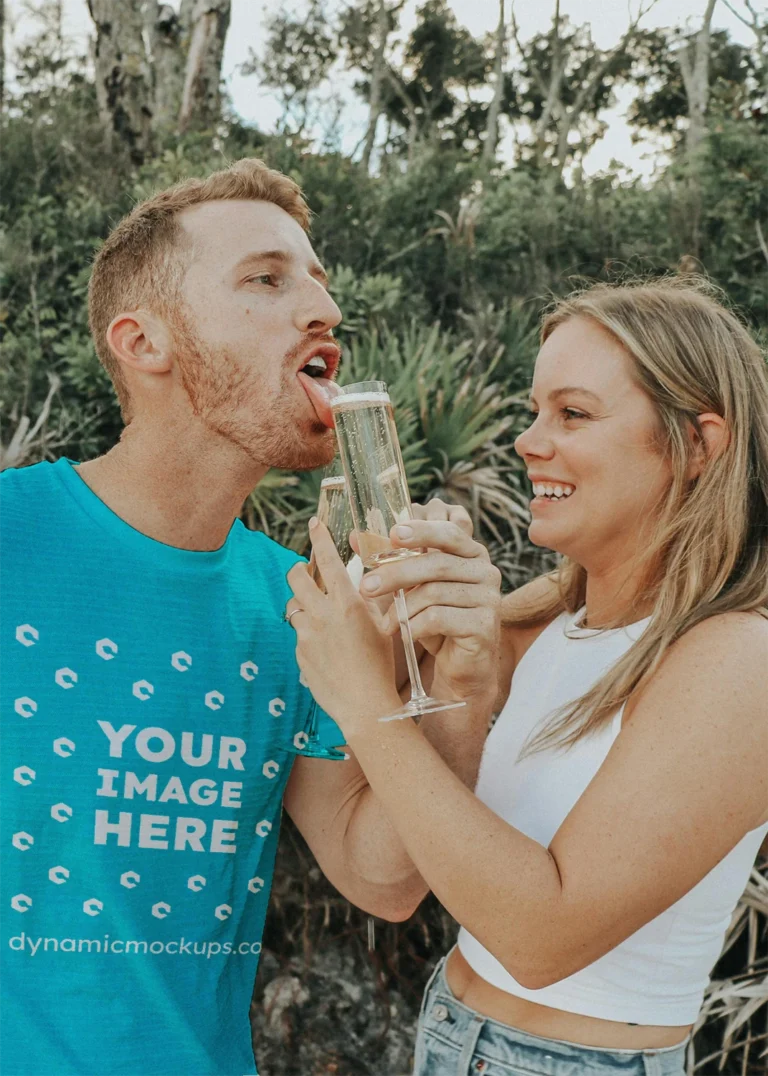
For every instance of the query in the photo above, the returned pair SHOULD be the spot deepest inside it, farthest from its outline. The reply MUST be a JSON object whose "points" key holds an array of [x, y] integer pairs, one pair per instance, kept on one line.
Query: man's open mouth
{"points": [[316, 367], [316, 377], [322, 360]]}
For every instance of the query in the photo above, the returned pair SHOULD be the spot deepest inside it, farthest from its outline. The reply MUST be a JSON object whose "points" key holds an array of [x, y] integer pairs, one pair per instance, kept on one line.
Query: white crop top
{"points": [[659, 973]]}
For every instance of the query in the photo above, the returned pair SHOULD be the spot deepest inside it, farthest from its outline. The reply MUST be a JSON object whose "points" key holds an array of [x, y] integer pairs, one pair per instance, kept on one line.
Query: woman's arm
{"points": [[685, 780], [345, 825]]}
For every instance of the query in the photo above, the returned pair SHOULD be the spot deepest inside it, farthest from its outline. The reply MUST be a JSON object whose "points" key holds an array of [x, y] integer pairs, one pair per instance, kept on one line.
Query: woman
{"points": [[623, 791]]}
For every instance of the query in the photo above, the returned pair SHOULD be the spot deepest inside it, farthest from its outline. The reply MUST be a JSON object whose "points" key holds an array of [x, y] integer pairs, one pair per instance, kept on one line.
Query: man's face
{"points": [[255, 309]]}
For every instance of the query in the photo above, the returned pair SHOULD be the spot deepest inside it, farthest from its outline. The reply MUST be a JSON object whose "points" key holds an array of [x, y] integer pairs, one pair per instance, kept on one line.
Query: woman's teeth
{"points": [[542, 489]]}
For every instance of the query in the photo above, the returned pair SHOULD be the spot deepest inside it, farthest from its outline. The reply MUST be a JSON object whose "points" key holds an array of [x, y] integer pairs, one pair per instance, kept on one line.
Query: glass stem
{"points": [[312, 726], [417, 689]]}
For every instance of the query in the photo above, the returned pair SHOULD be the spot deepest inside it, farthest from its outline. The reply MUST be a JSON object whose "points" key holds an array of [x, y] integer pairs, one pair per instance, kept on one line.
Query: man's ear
{"points": [[141, 341], [711, 441]]}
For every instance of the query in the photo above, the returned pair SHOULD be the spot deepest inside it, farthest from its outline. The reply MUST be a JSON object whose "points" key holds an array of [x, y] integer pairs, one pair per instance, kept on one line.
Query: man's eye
{"points": [[262, 278], [571, 412]]}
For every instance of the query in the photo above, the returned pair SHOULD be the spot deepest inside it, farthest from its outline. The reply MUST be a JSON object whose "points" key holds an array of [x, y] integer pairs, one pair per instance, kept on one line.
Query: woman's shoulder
{"points": [[736, 639], [723, 657], [736, 643]]}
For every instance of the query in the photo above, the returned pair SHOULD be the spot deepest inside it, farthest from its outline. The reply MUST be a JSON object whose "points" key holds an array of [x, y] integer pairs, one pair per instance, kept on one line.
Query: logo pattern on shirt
{"points": [[154, 744]]}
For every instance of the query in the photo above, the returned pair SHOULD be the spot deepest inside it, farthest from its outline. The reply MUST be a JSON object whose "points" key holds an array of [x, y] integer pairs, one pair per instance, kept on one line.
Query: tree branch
{"points": [[2, 50], [492, 127], [396, 84], [535, 70], [374, 106], [686, 67], [751, 10], [586, 92], [761, 240], [570, 116], [200, 91], [740, 17]]}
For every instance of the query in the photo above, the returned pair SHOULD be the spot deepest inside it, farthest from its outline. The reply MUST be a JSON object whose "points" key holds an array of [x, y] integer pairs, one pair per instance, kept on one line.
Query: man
{"points": [[151, 697]]}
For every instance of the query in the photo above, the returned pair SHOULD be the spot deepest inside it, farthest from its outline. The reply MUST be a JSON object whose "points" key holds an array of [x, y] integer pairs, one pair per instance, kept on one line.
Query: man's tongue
{"points": [[320, 391]]}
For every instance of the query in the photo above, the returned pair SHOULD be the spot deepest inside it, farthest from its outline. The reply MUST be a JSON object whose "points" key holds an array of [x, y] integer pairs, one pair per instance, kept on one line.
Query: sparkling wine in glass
{"points": [[333, 511], [379, 499]]}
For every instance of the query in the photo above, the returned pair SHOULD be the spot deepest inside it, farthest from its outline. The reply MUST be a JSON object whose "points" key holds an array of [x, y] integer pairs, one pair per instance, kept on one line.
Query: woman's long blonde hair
{"points": [[710, 550]]}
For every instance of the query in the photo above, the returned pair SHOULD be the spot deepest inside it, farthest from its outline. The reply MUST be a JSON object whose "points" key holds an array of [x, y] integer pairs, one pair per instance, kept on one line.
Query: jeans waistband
{"points": [[444, 1015]]}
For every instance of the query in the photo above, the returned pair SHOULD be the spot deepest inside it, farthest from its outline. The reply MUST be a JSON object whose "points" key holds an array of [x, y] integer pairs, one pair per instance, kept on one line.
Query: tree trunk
{"points": [[552, 104], [492, 127], [413, 119], [123, 83], [2, 52], [166, 32], [377, 78], [694, 67], [201, 93]]}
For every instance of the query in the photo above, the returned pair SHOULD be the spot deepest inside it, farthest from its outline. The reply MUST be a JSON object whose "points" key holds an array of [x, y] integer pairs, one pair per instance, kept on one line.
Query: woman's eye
{"points": [[262, 278], [566, 412]]}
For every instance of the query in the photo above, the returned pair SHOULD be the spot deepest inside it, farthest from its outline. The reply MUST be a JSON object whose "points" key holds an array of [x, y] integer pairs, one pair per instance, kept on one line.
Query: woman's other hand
{"points": [[453, 598]]}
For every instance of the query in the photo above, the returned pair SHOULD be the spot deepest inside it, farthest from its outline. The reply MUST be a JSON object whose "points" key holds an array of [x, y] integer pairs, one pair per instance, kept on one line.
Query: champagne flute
{"points": [[379, 499], [333, 511]]}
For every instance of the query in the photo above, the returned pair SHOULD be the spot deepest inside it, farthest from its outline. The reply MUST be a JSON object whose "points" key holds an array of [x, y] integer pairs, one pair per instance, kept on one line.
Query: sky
{"points": [[608, 19]]}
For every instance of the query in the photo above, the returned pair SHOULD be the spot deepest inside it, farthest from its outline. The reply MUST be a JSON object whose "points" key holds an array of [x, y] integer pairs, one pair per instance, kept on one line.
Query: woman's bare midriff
{"points": [[474, 992]]}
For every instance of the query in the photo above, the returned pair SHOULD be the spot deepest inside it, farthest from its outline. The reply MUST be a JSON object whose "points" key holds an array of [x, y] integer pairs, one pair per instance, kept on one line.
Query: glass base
{"points": [[416, 708], [315, 750]]}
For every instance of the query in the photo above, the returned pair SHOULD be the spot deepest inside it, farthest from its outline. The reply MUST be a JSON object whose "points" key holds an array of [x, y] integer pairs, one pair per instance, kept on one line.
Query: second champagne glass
{"points": [[333, 511], [379, 499]]}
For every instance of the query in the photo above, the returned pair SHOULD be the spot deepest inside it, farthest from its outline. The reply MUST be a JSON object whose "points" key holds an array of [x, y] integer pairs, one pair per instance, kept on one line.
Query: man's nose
{"points": [[319, 313]]}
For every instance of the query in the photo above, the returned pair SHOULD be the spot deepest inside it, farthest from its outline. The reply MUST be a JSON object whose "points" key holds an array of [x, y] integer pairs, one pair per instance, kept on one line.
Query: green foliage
{"points": [[371, 300]]}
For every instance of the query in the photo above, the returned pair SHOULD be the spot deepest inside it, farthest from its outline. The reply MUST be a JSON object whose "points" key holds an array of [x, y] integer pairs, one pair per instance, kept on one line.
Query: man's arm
{"points": [[348, 829]]}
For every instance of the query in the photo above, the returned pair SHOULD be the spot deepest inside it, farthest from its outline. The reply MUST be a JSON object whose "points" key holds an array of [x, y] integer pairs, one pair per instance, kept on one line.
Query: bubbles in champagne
{"points": [[378, 489]]}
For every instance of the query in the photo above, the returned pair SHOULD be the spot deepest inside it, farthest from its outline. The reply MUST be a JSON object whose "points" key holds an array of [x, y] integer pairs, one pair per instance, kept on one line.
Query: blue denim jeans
{"points": [[453, 1040]]}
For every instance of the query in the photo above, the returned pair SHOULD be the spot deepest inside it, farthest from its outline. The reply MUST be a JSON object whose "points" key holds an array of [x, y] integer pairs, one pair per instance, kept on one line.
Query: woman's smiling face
{"points": [[593, 452]]}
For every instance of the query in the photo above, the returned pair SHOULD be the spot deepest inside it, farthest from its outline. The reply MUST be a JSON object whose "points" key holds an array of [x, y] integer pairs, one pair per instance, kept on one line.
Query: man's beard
{"points": [[224, 395]]}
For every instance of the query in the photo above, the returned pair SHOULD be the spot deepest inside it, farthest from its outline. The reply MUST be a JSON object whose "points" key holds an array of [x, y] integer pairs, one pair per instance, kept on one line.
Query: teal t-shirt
{"points": [[149, 699]]}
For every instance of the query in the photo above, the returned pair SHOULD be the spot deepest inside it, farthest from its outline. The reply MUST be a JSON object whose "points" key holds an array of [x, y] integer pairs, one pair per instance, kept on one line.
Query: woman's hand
{"points": [[345, 657], [453, 599]]}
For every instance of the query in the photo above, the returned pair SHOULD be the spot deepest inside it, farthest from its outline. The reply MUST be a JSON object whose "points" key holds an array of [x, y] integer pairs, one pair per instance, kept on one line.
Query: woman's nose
{"points": [[534, 442]]}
